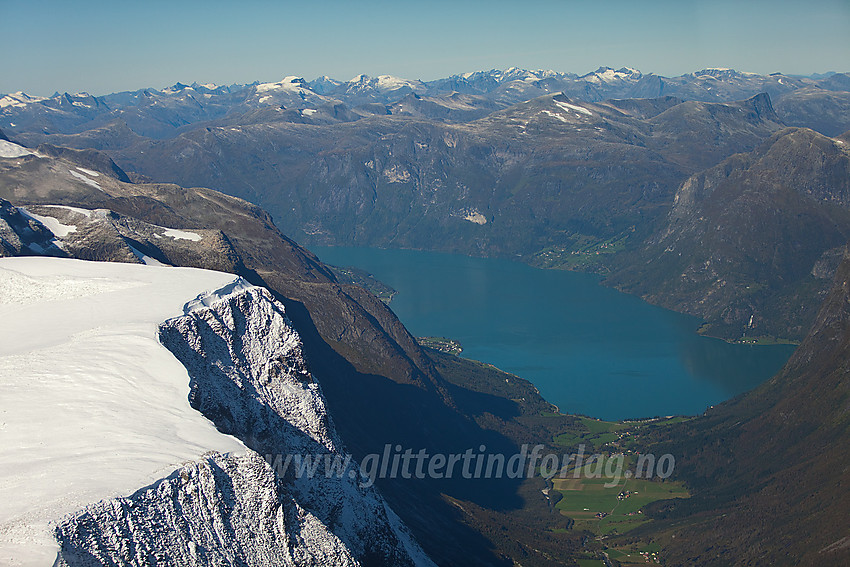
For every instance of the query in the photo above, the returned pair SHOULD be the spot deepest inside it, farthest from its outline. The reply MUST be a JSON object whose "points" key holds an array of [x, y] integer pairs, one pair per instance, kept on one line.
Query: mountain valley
{"points": [[720, 194]]}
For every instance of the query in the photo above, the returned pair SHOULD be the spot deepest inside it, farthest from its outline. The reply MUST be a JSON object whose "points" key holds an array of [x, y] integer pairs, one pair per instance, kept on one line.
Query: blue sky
{"points": [[103, 47]]}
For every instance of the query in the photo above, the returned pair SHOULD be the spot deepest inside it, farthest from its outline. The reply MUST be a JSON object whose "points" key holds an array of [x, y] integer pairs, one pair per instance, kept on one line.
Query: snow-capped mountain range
{"points": [[164, 112]]}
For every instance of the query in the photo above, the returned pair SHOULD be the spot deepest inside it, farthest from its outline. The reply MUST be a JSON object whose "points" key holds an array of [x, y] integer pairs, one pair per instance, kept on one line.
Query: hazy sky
{"points": [[103, 47]]}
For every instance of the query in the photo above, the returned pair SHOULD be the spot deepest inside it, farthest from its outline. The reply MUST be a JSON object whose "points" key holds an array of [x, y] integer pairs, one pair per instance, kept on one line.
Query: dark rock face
{"points": [[768, 469], [515, 182], [750, 245], [824, 111], [21, 234], [91, 159]]}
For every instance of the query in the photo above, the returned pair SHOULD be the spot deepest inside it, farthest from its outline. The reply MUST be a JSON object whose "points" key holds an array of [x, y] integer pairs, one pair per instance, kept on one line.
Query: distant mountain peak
{"points": [[290, 82], [720, 72], [19, 99], [609, 75], [177, 87]]}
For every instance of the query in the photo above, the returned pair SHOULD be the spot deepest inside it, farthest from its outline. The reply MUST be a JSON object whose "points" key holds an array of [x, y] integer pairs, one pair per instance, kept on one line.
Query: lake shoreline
{"points": [[589, 348]]}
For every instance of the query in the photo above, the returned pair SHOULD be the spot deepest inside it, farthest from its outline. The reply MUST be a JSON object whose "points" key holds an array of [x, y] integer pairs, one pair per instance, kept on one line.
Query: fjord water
{"points": [[589, 349]]}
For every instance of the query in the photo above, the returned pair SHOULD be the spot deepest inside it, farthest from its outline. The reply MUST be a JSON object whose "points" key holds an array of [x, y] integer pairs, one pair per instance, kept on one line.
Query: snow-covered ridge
{"points": [[249, 375], [607, 75], [92, 405], [19, 100], [208, 298], [13, 150], [221, 510], [290, 83], [511, 74], [381, 84]]}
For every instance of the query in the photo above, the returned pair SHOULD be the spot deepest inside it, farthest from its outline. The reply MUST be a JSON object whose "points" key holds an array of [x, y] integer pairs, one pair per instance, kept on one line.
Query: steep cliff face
{"points": [[751, 244], [223, 510], [248, 375], [94, 407]]}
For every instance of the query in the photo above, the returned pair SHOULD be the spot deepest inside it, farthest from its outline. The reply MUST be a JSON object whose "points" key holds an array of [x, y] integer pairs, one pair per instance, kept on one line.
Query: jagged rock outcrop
{"points": [[248, 375], [20, 234], [224, 510]]}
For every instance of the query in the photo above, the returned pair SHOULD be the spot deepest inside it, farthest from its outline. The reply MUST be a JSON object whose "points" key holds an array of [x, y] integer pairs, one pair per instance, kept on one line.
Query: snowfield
{"points": [[567, 106], [85, 179], [13, 150], [92, 405], [57, 228], [182, 234]]}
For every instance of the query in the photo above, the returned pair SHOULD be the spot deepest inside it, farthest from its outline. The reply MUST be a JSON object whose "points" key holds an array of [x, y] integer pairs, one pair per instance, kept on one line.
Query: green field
{"points": [[593, 433], [584, 498], [582, 252], [581, 499]]}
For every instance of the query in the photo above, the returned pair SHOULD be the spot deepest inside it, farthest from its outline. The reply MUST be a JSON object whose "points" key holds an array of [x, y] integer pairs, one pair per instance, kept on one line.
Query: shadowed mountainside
{"points": [[768, 469], [751, 244]]}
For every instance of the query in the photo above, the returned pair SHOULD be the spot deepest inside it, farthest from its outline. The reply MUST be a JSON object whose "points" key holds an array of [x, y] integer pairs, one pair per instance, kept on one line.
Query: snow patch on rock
{"points": [[567, 106], [86, 180], [57, 228], [13, 150], [88, 172], [182, 234]]}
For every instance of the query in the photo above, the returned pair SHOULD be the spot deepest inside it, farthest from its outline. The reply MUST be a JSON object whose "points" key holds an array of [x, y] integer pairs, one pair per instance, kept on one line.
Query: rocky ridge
{"points": [[248, 376]]}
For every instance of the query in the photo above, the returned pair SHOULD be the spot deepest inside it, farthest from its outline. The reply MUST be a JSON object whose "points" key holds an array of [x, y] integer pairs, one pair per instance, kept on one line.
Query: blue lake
{"points": [[589, 349]]}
